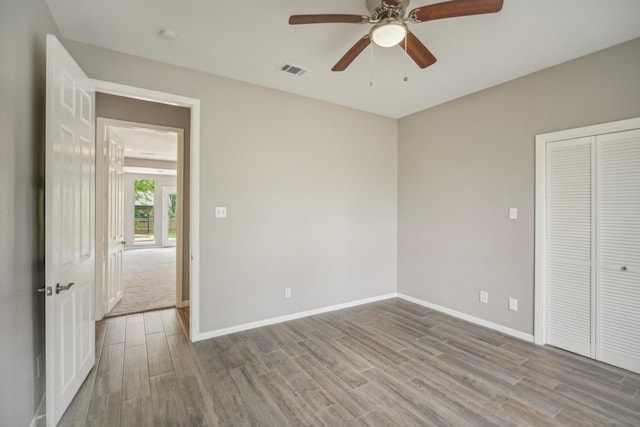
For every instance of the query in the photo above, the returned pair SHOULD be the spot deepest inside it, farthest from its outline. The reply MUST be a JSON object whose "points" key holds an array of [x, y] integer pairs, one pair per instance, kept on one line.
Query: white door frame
{"points": [[194, 182], [541, 196]]}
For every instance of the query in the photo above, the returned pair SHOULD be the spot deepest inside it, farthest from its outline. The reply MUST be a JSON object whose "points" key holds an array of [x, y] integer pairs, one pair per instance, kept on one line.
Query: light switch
{"points": [[513, 213], [221, 212], [484, 297]]}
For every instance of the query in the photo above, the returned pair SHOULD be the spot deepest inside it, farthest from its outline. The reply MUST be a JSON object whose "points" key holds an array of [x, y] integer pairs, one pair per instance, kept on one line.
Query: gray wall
{"points": [[463, 164], [23, 25], [129, 207], [135, 110], [310, 187], [311, 190]]}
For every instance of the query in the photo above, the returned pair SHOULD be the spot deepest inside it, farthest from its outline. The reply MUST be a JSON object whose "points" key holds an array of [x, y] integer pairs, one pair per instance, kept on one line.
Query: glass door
{"points": [[170, 216]]}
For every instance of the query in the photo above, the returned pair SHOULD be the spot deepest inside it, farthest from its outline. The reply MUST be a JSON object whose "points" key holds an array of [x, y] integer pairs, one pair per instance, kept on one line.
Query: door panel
{"points": [[568, 295], [115, 213], [87, 183], [618, 325], [69, 229]]}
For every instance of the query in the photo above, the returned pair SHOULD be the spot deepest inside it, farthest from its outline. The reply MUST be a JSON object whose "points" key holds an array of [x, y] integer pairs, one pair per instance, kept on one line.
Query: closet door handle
{"points": [[624, 268]]}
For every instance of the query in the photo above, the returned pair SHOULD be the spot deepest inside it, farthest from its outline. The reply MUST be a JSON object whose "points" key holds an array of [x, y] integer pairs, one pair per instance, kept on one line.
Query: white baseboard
{"points": [[286, 318], [40, 414], [301, 314], [469, 318]]}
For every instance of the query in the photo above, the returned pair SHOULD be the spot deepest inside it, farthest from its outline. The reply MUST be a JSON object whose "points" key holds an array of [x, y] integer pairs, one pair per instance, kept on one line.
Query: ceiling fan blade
{"points": [[417, 51], [352, 54], [327, 19], [455, 8]]}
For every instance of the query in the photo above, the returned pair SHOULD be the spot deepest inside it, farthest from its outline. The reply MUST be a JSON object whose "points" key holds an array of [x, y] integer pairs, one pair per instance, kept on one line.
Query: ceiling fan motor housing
{"points": [[379, 10]]}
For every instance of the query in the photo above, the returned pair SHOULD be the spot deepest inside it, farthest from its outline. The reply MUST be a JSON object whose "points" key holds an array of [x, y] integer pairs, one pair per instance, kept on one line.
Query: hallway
{"points": [[149, 281]]}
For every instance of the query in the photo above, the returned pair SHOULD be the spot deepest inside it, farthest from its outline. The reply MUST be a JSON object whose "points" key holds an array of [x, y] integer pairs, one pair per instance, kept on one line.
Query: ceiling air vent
{"points": [[292, 69]]}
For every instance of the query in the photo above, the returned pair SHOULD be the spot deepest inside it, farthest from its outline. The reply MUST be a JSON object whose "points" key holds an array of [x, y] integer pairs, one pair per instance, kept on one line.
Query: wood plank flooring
{"points": [[183, 316], [391, 363]]}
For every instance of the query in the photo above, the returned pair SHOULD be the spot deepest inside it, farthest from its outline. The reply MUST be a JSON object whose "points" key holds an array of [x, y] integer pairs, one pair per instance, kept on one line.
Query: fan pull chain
{"points": [[371, 69], [406, 61]]}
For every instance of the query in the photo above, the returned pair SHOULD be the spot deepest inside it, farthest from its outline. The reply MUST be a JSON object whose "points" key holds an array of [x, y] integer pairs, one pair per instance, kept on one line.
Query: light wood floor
{"points": [[390, 363], [183, 316]]}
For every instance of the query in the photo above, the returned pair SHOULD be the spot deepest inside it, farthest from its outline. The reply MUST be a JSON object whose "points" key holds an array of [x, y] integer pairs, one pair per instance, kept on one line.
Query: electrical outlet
{"points": [[513, 304], [221, 212], [287, 292], [484, 297]]}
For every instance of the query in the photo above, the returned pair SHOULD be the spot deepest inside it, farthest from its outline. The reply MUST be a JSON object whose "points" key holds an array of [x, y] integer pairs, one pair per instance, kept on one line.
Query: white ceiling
{"points": [[148, 144], [150, 171], [140, 143], [250, 40]]}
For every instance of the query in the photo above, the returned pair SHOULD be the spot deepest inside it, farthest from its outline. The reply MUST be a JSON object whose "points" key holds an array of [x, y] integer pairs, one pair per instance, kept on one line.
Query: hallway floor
{"points": [[149, 281]]}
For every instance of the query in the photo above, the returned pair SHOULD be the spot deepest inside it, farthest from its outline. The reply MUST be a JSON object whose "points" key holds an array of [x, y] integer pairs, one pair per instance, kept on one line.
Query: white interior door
{"points": [[69, 229], [115, 218], [592, 235], [169, 216], [618, 295], [568, 299]]}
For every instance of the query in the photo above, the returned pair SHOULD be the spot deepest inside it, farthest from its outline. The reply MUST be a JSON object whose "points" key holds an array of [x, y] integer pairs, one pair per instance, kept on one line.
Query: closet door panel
{"points": [[568, 296], [618, 286]]}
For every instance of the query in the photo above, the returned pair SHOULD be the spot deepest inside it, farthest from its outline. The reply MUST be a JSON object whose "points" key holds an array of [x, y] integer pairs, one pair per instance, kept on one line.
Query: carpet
{"points": [[149, 280]]}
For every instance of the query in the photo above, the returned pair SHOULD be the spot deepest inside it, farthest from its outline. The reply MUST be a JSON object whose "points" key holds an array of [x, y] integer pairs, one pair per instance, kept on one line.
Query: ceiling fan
{"points": [[390, 25]]}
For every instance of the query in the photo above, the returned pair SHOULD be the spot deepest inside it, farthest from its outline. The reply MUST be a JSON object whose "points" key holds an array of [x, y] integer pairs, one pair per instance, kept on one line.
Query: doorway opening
{"points": [[122, 102], [141, 219]]}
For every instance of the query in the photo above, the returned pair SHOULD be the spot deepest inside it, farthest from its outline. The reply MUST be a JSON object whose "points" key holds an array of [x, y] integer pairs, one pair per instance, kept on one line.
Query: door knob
{"points": [[624, 268], [63, 288], [123, 242]]}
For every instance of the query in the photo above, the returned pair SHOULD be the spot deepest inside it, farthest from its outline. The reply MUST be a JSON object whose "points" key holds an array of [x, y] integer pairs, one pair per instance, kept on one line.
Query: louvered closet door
{"points": [[618, 286], [568, 299]]}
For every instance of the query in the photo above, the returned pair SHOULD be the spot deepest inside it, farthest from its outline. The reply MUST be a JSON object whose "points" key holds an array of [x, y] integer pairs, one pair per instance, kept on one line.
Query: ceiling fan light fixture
{"points": [[388, 33]]}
